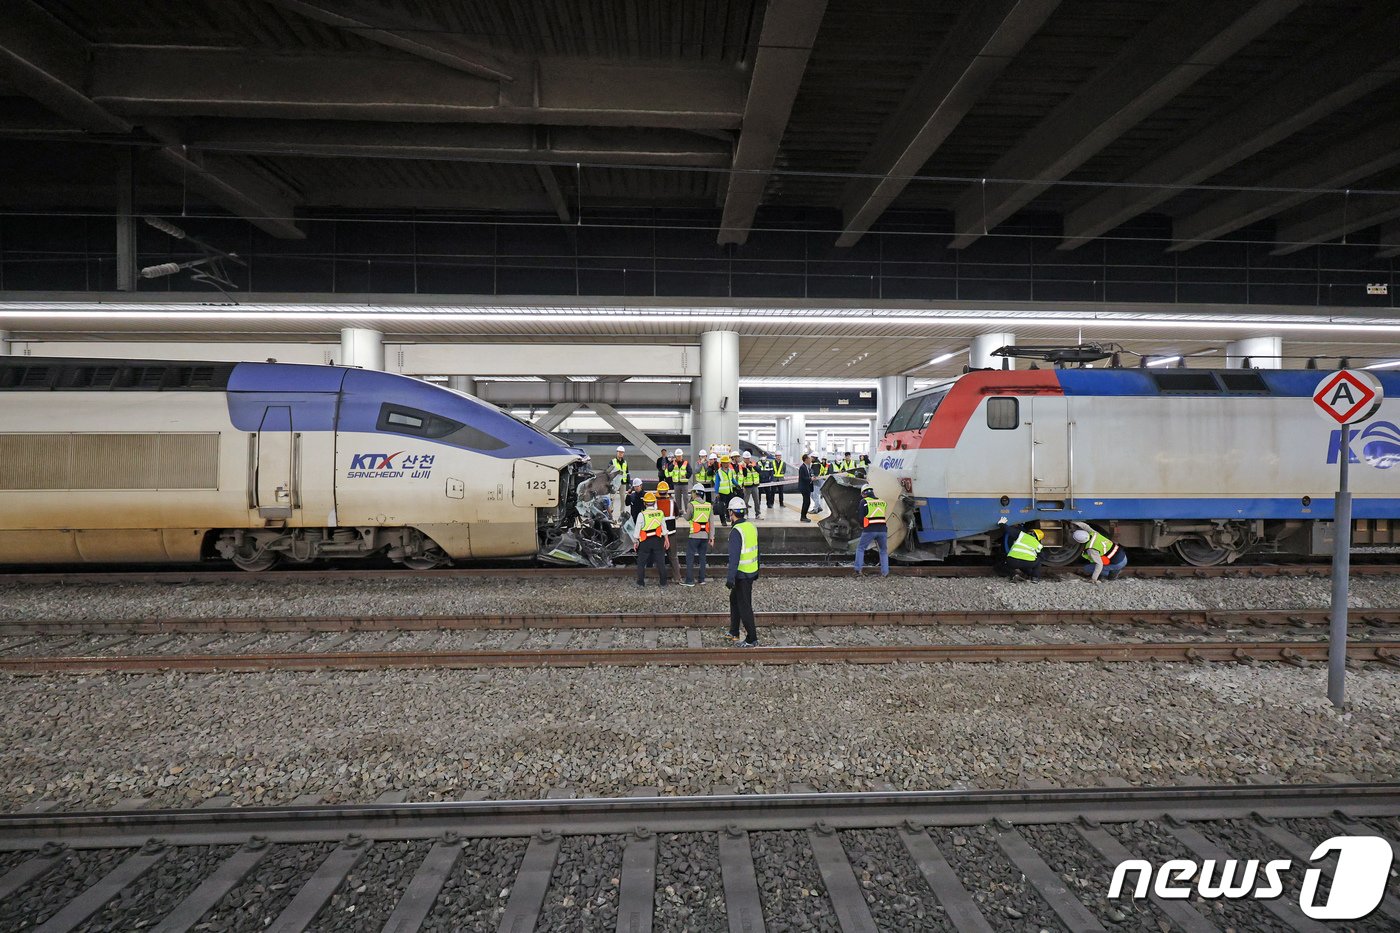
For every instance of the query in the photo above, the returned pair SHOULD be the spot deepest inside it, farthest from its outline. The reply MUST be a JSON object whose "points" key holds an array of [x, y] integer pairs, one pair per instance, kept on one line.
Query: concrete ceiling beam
{"points": [[1340, 215], [1390, 242], [47, 61]]}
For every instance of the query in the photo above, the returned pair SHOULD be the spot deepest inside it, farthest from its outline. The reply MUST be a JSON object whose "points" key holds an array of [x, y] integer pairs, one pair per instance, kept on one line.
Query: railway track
{"points": [[815, 566], [962, 861]]}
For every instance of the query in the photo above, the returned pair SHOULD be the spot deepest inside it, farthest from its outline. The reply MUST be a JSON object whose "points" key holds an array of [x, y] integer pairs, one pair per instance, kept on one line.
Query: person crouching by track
{"points": [[1107, 557], [1023, 555], [668, 507], [700, 516], [874, 531], [743, 571], [652, 540]]}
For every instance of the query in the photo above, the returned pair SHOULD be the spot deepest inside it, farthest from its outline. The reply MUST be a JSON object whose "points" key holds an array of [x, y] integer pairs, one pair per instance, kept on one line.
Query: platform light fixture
{"points": [[1388, 364], [1164, 361]]}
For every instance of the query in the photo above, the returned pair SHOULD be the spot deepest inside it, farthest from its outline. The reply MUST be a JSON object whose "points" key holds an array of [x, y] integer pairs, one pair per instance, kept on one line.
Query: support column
{"points": [[980, 353], [126, 228], [715, 394], [892, 392], [362, 347], [462, 384], [1262, 353]]}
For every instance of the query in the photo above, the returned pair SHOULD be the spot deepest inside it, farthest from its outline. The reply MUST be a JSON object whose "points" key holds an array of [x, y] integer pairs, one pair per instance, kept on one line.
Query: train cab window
{"points": [[1245, 382], [902, 418], [1186, 383], [399, 419], [1003, 414]]}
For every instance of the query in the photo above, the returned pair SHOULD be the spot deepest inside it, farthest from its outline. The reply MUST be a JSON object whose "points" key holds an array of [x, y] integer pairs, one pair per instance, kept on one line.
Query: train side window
{"points": [[1003, 414], [401, 420]]}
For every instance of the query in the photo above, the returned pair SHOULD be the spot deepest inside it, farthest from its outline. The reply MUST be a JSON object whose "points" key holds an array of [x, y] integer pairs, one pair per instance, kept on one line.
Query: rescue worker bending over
{"points": [[874, 531], [700, 515], [743, 571], [652, 540], [1023, 556], [1107, 557]]}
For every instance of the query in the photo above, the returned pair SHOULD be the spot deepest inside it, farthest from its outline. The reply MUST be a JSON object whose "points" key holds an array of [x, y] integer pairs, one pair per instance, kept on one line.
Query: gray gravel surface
{"points": [[790, 884], [476, 892], [689, 884], [39, 900], [1156, 844], [583, 894], [9, 860], [266, 596], [262, 738], [1087, 876], [369, 893], [262, 895], [160, 890], [894, 889], [1001, 892]]}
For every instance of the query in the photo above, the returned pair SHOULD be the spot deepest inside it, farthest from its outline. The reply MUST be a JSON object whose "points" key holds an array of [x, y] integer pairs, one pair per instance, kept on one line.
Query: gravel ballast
{"points": [[265, 738], [268, 597]]}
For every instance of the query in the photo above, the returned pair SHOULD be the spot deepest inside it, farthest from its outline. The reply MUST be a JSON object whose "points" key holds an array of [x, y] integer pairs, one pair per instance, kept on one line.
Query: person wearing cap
{"points": [[667, 504], [635, 500], [700, 517], [741, 574], [779, 470], [873, 530], [1107, 557], [678, 475], [749, 480], [726, 482], [1023, 555], [651, 540]]}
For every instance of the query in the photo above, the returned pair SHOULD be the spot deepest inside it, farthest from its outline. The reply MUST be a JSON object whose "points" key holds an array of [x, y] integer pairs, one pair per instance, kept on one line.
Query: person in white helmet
{"points": [[742, 572], [750, 480], [617, 482], [678, 473], [1108, 558], [704, 472]]}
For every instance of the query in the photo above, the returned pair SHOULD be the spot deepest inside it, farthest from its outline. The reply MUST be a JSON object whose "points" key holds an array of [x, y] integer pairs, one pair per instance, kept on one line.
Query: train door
{"points": [[275, 484], [1052, 462]]}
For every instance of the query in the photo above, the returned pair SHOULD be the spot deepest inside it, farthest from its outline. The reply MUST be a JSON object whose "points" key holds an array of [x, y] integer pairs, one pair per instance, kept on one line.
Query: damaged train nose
{"points": [[841, 495]]}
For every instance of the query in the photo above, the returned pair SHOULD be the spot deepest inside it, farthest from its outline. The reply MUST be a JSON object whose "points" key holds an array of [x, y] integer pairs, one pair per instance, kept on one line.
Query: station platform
{"points": [[781, 532]]}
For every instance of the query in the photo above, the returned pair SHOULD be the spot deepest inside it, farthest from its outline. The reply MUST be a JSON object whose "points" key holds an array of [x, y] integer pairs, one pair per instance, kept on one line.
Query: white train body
{"points": [[109, 460], [1214, 463]]}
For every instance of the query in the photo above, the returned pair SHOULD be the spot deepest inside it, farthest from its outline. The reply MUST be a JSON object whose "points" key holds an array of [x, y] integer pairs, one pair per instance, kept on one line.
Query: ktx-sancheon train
{"points": [[1212, 464], [121, 460]]}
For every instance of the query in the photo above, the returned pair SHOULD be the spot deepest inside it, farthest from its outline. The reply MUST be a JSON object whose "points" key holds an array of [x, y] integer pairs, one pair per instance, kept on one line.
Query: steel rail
{"points": [[1292, 652], [752, 812], [834, 566], [1189, 618]]}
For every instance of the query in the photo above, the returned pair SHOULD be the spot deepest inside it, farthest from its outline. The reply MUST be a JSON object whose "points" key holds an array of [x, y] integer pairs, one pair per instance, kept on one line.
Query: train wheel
{"points": [[264, 560], [1199, 554], [427, 561], [1059, 556]]}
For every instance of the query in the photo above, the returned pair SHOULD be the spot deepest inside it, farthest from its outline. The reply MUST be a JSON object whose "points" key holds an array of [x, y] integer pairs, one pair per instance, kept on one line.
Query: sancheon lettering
{"points": [[1358, 883], [382, 466]]}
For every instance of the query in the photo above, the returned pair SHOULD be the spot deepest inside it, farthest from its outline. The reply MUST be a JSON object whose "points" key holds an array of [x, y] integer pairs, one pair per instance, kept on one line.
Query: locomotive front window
{"points": [[1003, 414], [400, 420], [901, 419], [915, 414]]}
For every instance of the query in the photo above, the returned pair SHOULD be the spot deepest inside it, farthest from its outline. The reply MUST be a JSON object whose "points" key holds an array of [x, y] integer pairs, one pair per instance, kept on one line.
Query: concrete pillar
{"points": [[462, 384], [362, 347], [892, 392], [4, 343], [714, 397], [1262, 353], [980, 353], [126, 225]]}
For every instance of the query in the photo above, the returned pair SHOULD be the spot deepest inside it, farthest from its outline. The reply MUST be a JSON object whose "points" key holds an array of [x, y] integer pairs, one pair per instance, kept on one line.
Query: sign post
{"points": [[1347, 397]]}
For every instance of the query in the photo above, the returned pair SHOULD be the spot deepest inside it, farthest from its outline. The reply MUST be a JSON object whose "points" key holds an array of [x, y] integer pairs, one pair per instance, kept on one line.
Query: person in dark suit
{"points": [[804, 485]]}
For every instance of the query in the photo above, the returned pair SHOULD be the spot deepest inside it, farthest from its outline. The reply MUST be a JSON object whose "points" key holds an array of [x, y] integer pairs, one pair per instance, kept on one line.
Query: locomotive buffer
{"points": [[1346, 397]]}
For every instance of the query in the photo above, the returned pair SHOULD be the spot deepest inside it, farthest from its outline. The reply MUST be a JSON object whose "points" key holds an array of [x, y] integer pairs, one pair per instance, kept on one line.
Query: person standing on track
{"points": [[668, 506], [700, 515], [874, 531], [651, 540], [742, 572]]}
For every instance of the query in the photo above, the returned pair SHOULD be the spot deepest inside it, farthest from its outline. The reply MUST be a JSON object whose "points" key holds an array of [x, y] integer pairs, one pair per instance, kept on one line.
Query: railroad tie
{"points": [[636, 897], [32, 868], [533, 876], [943, 880], [79, 909], [741, 901], [1069, 908], [852, 912], [422, 892], [1302, 851], [213, 889], [315, 894], [1114, 853]]}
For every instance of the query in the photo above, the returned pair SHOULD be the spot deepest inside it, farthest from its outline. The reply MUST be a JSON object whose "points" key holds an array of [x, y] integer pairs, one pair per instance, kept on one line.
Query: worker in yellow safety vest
{"points": [[779, 477], [726, 484], [700, 517], [1023, 555], [873, 531], [678, 475], [1107, 557], [749, 479], [742, 572], [651, 540]]}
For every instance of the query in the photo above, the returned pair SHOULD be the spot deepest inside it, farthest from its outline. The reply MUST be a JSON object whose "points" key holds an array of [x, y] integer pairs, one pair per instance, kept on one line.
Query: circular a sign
{"points": [[1349, 396]]}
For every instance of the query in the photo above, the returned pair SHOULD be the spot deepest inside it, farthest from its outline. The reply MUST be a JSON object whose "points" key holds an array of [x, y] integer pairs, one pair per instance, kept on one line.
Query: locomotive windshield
{"points": [[915, 414]]}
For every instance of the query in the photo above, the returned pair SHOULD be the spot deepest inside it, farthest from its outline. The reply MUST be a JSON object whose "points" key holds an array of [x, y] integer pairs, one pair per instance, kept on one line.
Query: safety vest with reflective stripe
{"points": [[824, 469], [1104, 546], [875, 510], [652, 520], [1027, 547], [751, 477], [748, 548], [621, 467], [726, 481], [779, 469], [700, 513], [704, 476]]}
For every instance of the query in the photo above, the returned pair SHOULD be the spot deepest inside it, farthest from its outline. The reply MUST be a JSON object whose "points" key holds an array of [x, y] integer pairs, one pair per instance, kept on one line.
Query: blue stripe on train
{"points": [[1295, 383], [946, 519]]}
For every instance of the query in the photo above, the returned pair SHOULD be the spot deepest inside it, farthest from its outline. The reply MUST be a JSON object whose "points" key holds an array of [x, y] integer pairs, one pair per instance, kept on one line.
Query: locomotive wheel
{"points": [[429, 561], [1199, 554], [1059, 556], [264, 561]]}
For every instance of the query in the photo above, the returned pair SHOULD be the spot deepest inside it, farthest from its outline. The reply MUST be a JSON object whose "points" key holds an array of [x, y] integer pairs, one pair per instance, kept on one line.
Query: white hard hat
{"points": [[697, 490], [1081, 536], [637, 481], [736, 504], [703, 452], [747, 455], [679, 453], [621, 449]]}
